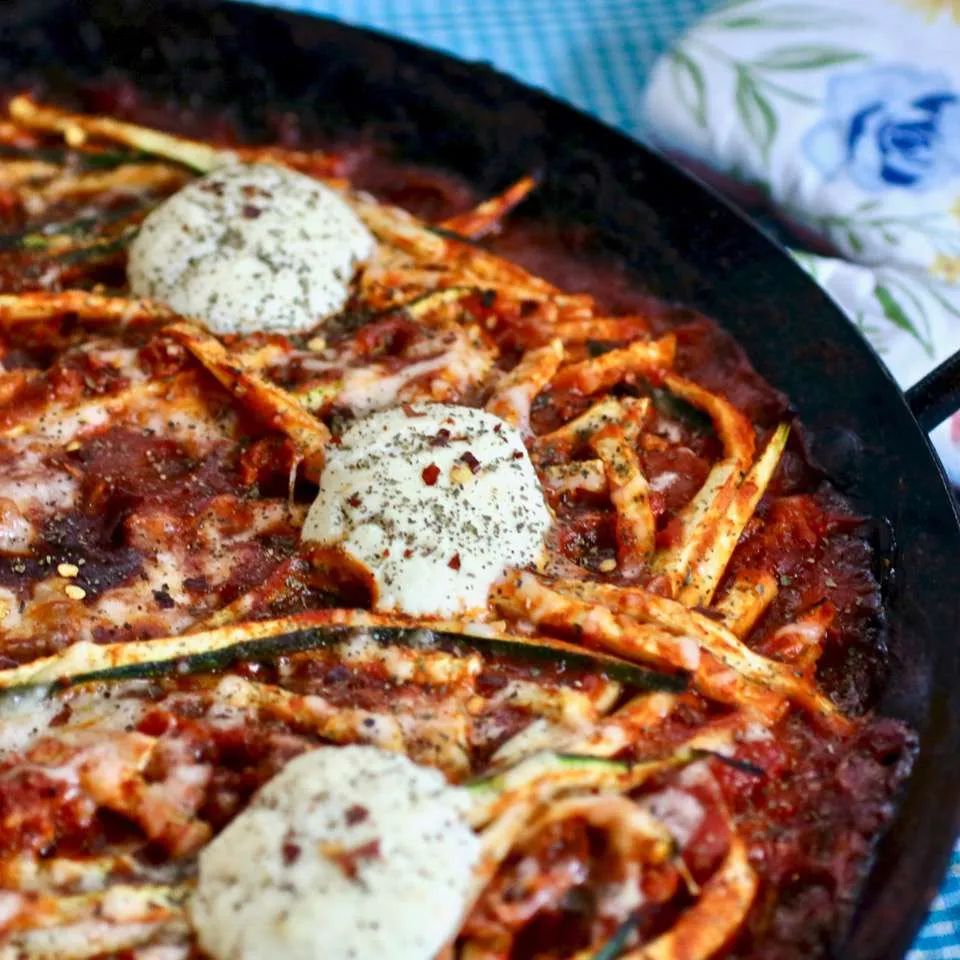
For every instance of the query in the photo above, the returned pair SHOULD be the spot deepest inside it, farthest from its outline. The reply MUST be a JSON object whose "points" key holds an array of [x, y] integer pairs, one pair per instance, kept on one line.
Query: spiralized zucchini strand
{"points": [[93, 308], [607, 370], [578, 476], [486, 216], [121, 903], [277, 408], [630, 495], [578, 431], [132, 178], [77, 128], [695, 522], [746, 600], [705, 571], [118, 918], [710, 525], [472, 265], [518, 389], [715, 638], [85, 662], [714, 918], [733, 428], [658, 630]]}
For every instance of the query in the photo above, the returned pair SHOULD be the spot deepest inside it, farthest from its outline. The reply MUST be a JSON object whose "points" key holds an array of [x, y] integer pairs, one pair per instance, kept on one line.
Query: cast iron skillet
{"points": [[682, 243]]}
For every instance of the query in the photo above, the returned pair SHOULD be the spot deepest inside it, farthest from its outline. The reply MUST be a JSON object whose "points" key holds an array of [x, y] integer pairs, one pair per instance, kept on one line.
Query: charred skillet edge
{"points": [[683, 241]]}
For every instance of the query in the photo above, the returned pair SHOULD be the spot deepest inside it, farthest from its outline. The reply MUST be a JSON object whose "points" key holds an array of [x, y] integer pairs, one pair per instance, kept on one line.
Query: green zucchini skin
{"points": [[266, 648], [547, 762], [313, 638], [85, 160], [86, 243], [618, 942], [104, 247], [640, 677], [679, 409]]}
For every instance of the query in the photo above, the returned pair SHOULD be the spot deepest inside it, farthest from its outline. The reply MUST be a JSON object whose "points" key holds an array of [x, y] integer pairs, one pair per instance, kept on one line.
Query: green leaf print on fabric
{"points": [[805, 57], [755, 111], [792, 16], [895, 313], [690, 86]]}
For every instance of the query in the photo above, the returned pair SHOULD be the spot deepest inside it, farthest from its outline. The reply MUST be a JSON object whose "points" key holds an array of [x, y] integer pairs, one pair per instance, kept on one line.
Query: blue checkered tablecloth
{"points": [[595, 54]]}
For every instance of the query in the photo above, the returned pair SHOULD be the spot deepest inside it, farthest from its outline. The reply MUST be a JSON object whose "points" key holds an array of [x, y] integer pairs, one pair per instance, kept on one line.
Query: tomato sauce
{"points": [[808, 802], [810, 809]]}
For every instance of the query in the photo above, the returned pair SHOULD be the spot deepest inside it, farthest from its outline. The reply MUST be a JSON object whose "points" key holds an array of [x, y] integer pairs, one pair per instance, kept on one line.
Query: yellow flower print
{"points": [[946, 268], [932, 9]]}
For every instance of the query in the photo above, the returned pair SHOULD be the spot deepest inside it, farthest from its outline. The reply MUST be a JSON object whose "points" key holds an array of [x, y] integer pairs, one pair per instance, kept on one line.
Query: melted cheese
{"points": [[78, 941], [664, 481], [30, 491], [435, 501], [25, 716], [680, 812], [250, 247], [464, 361], [370, 388], [16, 531], [349, 852], [9, 609], [33, 489]]}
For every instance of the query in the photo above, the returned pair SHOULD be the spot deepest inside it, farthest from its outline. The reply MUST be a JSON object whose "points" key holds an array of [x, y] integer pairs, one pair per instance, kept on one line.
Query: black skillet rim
{"points": [[695, 249]]}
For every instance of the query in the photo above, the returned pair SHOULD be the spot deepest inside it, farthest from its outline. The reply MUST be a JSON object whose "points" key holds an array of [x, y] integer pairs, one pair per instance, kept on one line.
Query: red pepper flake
{"points": [[441, 439], [471, 461], [517, 454], [454, 563], [251, 190], [291, 853], [356, 814], [354, 501], [407, 554], [430, 474], [251, 212], [349, 860]]}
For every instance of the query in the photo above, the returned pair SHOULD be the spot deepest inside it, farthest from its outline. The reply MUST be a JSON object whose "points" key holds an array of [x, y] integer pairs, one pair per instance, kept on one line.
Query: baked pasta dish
{"points": [[366, 593]]}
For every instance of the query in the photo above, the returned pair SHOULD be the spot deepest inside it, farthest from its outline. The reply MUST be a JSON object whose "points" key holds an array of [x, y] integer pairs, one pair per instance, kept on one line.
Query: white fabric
{"points": [[845, 115]]}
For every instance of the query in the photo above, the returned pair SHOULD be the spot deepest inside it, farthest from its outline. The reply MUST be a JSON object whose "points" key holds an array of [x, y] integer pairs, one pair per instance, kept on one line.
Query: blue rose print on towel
{"points": [[888, 126]]}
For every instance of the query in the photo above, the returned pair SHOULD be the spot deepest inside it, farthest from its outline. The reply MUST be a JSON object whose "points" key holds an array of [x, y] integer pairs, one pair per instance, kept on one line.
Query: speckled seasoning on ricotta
{"points": [[348, 853], [250, 247], [435, 501]]}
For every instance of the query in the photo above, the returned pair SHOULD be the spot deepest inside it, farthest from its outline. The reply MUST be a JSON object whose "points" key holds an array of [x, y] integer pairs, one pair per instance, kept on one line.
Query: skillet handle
{"points": [[937, 395]]}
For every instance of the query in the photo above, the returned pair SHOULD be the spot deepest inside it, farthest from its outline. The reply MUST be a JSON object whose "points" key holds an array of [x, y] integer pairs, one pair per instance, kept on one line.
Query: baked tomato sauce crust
{"points": [[140, 498]]}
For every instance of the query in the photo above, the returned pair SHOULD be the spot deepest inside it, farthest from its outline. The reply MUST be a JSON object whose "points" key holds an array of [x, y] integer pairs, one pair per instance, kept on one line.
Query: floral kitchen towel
{"points": [[844, 117], [846, 113]]}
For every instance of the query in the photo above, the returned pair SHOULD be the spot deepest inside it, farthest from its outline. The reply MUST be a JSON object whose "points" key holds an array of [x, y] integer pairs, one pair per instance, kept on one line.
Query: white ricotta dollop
{"points": [[348, 852], [250, 247], [436, 501]]}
